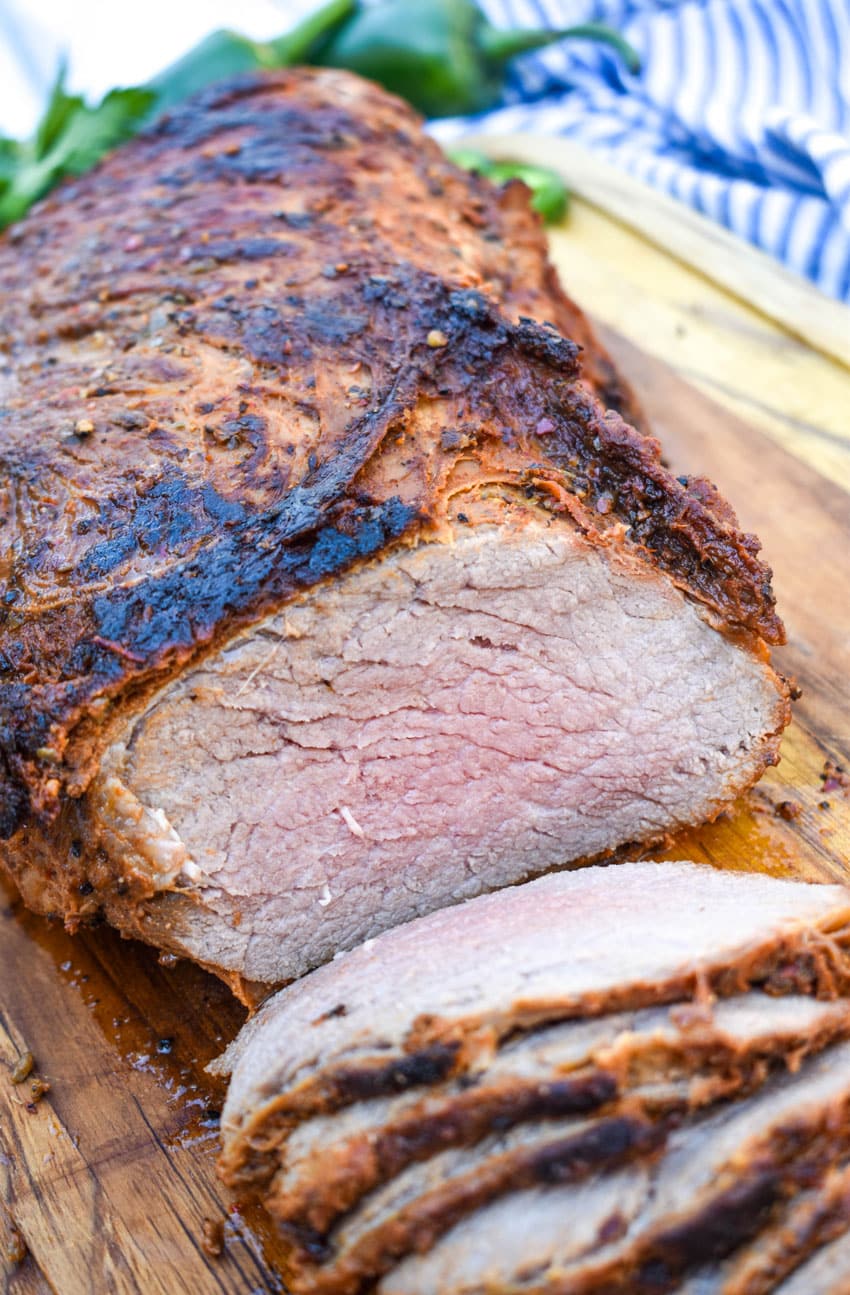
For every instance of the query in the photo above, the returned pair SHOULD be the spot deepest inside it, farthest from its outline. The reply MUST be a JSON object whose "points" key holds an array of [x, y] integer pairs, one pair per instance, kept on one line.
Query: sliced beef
{"points": [[426, 1199], [810, 1222], [547, 1034], [711, 1190], [330, 1162], [497, 1250], [510, 1244], [413, 1210], [711, 1194], [330, 592], [416, 1005]]}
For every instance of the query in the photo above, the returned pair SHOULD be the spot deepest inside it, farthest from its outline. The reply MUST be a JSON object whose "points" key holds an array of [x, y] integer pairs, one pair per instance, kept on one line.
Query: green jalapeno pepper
{"points": [[443, 56]]}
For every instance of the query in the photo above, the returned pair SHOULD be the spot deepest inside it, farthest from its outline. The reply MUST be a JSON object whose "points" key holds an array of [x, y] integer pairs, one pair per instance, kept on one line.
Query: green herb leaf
{"points": [[89, 133], [60, 108], [9, 151], [224, 54], [70, 139], [441, 55], [549, 194]]}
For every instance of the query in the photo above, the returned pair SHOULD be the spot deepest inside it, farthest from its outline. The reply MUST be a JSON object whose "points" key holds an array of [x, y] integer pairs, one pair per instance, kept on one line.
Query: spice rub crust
{"points": [[231, 371]]}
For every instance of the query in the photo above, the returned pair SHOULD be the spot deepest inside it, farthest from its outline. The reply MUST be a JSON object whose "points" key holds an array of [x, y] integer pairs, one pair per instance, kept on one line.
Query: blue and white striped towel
{"points": [[742, 107], [741, 110]]}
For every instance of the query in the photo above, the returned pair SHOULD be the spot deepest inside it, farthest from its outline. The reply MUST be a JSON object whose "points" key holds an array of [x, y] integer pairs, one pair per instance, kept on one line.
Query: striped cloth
{"points": [[741, 110]]}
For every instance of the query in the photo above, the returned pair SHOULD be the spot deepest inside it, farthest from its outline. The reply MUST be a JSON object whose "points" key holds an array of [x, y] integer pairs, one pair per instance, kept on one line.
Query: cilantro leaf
{"points": [[70, 138], [60, 108], [9, 149]]}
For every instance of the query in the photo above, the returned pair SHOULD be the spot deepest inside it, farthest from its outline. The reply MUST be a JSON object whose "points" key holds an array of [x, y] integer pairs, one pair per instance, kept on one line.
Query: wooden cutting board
{"points": [[108, 1182]]}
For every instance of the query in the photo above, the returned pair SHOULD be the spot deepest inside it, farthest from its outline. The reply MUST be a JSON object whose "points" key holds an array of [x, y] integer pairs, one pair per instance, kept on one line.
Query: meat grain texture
{"points": [[610, 1080], [330, 591]]}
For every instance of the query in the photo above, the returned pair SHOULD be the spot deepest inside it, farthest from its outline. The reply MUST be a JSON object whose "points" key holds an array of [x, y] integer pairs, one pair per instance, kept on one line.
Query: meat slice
{"points": [[413, 1210], [423, 1201], [544, 1034], [417, 1004], [330, 592], [508, 1242], [330, 1162], [707, 1194]]}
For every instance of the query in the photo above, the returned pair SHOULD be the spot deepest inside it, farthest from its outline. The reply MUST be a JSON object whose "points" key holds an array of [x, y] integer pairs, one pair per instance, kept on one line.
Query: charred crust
{"points": [[429, 1066], [462, 1123], [728, 1222], [611, 1141]]}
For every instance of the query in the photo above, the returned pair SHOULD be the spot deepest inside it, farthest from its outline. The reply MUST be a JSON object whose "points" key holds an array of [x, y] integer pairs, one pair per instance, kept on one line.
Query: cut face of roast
{"points": [[331, 592], [448, 721]]}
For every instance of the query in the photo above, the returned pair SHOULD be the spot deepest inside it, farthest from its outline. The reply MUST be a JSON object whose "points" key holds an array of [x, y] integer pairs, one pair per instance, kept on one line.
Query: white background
{"points": [[110, 43]]}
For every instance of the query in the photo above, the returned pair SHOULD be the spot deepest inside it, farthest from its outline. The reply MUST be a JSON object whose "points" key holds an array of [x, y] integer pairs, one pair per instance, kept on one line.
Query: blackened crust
{"points": [[569, 1157]]}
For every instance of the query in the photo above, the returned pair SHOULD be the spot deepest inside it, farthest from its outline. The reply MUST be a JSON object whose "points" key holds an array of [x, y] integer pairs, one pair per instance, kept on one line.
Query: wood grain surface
{"points": [[680, 232], [108, 1181], [726, 348]]}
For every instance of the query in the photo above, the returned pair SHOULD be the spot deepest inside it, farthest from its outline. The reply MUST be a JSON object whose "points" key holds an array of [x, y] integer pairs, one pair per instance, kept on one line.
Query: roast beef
{"points": [[826, 1273], [330, 592], [664, 1060], [418, 1003], [412, 1211], [548, 1033], [422, 1202], [497, 1250]]}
